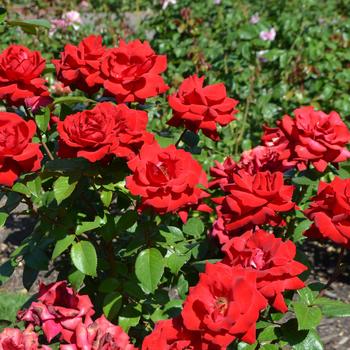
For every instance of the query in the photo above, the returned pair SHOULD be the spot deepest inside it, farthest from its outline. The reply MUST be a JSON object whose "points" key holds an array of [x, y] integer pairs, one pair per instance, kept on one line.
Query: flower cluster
{"points": [[61, 311], [105, 130], [129, 72]]}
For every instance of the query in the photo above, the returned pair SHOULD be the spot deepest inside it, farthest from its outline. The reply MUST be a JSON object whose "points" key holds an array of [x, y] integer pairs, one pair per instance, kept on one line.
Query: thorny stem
{"points": [[336, 273], [29, 115]]}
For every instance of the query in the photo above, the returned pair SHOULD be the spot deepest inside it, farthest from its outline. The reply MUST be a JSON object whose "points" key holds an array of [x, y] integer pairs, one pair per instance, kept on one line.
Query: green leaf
{"points": [[30, 25], [66, 166], [62, 245], [299, 230], [176, 260], [245, 346], [42, 120], [193, 227], [106, 198], [76, 279], [307, 295], [149, 269], [112, 304], [129, 317], [3, 14], [3, 217], [303, 180], [108, 285], [308, 316], [63, 187], [84, 257], [73, 100], [127, 220], [21, 188], [90, 225], [268, 334], [311, 342], [172, 234], [333, 308]]}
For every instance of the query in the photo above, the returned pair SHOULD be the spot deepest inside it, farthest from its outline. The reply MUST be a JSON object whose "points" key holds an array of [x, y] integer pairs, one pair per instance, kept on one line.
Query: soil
{"points": [[334, 331]]}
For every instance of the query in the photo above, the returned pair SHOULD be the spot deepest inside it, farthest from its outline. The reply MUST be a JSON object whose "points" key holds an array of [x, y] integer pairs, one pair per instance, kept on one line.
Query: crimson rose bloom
{"points": [[17, 153], [79, 66], [224, 305], [260, 158], [167, 179], [171, 335], [131, 72], [330, 212], [58, 310], [201, 108], [100, 334], [273, 261], [15, 339], [311, 137], [252, 200], [20, 70], [107, 129]]}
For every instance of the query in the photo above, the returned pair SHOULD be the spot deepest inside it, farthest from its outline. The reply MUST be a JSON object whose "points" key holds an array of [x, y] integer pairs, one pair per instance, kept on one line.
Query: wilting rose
{"points": [[132, 70], [167, 179], [172, 335], [330, 212], [312, 137], [107, 129], [17, 152], [273, 261], [97, 335], [59, 310], [224, 305], [20, 70], [252, 200], [79, 66], [15, 339], [201, 108]]}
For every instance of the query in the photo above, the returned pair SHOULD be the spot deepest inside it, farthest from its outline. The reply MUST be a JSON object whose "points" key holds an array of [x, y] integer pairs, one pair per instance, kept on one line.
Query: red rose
{"points": [[79, 66], [106, 129], [273, 261], [59, 310], [311, 137], [17, 153], [131, 72], [167, 179], [201, 108], [253, 200], [20, 71], [260, 158], [171, 335], [100, 334], [224, 305], [15, 339], [330, 212]]}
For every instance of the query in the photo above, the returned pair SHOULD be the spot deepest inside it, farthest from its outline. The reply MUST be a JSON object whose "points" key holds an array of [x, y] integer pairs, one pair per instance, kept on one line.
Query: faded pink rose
{"points": [[99, 335], [59, 310]]}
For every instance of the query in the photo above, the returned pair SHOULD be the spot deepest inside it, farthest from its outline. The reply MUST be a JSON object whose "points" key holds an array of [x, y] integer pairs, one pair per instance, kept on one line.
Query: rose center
{"points": [[257, 260]]}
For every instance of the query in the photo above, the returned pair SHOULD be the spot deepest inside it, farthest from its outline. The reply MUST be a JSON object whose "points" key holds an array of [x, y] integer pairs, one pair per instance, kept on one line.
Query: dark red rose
{"points": [[131, 72], [172, 335], [107, 129], [273, 261], [59, 310], [15, 339], [224, 305], [252, 200], [260, 158], [79, 66], [312, 137], [330, 212], [201, 108], [167, 179], [20, 70], [17, 152], [98, 335]]}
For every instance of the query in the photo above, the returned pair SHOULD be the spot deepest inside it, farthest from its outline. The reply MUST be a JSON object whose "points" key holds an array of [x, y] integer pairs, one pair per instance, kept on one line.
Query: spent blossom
{"points": [[268, 35]]}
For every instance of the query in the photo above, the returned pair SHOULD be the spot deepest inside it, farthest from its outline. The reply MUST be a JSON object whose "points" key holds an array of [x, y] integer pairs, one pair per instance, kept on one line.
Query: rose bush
{"points": [[149, 254]]}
